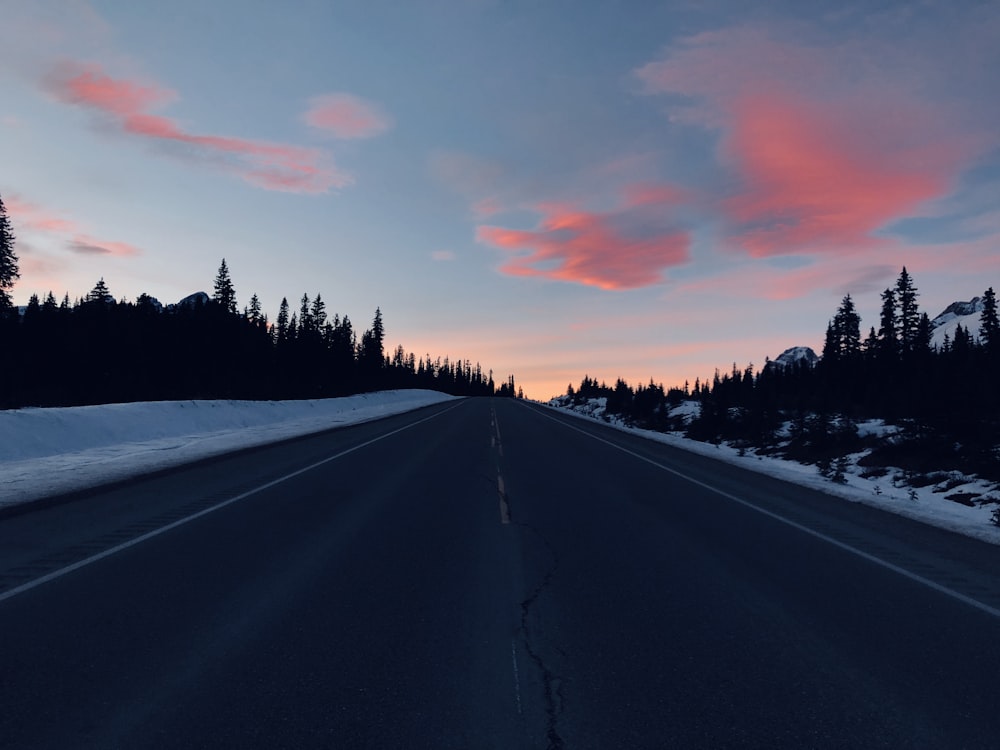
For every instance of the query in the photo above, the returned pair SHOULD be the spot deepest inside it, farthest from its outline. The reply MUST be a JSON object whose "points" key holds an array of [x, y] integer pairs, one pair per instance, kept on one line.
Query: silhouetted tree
{"points": [[282, 323], [843, 336], [908, 317], [225, 294], [100, 295], [9, 272], [989, 323], [888, 340]]}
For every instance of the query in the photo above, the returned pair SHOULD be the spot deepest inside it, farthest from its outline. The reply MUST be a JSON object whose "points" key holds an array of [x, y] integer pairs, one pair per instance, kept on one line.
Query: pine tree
{"points": [[843, 334], [283, 321], [371, 354], [305, 315], [9, 272], [318, 312], [378, 332], [922, 337], [225, 294], [989, 331], [254, 312], [100, 294], [831, 351], [908, 315], [848, 325], [888, 342]]}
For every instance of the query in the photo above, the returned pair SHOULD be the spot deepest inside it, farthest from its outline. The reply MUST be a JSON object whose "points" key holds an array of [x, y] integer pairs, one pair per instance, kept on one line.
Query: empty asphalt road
{"points": [[489, 574]]}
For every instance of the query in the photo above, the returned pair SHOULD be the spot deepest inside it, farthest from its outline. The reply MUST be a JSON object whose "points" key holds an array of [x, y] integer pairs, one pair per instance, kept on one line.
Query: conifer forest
{"points": [[97, 349]]}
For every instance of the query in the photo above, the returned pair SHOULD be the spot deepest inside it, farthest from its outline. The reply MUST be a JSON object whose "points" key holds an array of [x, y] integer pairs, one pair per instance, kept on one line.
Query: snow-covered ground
{"points": [[46, 452], [927, 504]]}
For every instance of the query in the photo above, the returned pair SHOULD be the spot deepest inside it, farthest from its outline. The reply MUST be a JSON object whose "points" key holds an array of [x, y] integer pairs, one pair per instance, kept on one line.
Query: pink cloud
{"points": [[346, 116], [827, 147], [816, 180], [32, 217], [272, 166], [612, 250], [87, 245]]}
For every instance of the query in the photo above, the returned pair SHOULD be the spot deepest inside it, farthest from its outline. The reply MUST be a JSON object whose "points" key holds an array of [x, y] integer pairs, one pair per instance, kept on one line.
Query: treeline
{"points": [[947, 397], [101, 350]]}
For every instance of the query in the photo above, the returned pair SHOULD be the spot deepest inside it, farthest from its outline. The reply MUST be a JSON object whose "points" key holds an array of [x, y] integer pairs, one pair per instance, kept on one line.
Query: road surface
{"points": [[489, 574]]}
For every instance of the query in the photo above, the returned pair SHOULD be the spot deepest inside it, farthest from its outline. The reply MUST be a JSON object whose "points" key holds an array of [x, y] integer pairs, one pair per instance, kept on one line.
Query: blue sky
{"points": [[645, 190]]}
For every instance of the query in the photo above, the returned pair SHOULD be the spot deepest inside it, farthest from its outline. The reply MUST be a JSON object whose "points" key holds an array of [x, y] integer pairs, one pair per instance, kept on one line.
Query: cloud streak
{"points": [[129, 105], [346, 116], [615, 250], [32, 217]]}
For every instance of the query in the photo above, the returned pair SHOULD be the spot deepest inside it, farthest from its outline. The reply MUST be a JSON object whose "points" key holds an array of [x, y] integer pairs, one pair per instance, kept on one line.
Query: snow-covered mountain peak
{"points": [[965, 314], [793, 356], [958, 310]]}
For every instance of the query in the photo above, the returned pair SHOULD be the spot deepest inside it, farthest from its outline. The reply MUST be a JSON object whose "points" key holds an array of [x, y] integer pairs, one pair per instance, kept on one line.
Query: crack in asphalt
{"points": [[551, 682]]}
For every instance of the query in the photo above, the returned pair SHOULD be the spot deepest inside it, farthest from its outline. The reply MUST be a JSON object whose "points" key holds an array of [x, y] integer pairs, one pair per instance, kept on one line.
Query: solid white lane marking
{"points": [[517, 677], [9, 594], [957, 595]]}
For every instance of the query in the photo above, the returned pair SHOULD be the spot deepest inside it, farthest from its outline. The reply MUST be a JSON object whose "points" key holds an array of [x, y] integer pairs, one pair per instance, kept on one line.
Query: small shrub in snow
{"points": [[995, 517], [839, 470], [912, 494]]}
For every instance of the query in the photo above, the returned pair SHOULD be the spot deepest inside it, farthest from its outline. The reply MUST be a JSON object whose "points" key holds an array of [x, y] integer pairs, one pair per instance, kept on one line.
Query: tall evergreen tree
{"points": [[225, 294], [305, 315], [843, 335], [922, 338], [888, 341], [908, 316], [282, 328], [318, 312], [9, 272], [989, 323], [254, 314]]}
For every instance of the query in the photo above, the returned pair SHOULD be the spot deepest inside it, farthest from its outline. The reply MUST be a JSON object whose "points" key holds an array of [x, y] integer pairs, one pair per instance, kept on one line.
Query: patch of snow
{"points": [[45, 452], [687, 410]]}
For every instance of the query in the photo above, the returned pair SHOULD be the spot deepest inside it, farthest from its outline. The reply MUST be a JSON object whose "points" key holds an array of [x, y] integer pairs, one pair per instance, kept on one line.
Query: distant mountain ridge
{"points": [[959, 313]]}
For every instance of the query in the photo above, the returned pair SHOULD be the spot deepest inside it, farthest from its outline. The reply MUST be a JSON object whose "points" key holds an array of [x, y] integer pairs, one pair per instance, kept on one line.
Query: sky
{"points": [[552, 188]]}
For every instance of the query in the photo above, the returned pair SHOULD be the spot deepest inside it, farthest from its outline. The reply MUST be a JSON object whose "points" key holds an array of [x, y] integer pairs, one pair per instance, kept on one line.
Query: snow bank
{"points": [[45, 452]]}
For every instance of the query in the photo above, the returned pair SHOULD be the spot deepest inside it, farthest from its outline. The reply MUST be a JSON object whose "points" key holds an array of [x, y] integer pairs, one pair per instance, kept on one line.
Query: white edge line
{"points": [[795, 525], [517, 676], [11, 593]]}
